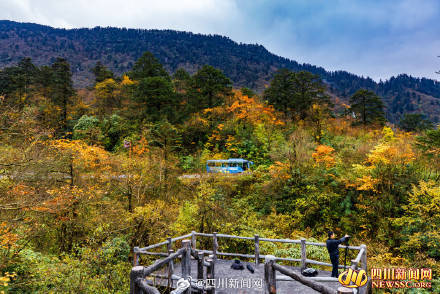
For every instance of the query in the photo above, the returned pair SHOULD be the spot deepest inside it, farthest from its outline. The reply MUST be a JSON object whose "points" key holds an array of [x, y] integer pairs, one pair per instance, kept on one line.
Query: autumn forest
{"points": [[88, 173]]}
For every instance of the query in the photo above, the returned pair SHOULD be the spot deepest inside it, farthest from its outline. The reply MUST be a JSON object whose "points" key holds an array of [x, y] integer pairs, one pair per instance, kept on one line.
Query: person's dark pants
{"points": [[335, 263]]}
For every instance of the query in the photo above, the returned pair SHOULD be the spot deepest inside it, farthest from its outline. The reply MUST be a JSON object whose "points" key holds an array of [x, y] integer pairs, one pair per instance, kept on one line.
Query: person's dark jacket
{"points": [[332, 246]]}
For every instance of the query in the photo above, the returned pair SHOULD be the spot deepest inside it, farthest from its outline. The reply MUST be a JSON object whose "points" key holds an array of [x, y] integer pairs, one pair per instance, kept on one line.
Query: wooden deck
{"points": [[228, 280], [243, 281]]}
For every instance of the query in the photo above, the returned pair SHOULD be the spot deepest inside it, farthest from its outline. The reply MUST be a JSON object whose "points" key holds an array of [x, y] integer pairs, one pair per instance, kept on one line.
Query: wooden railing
{"points": [[138, 284], [270, 268], [359, 262]]}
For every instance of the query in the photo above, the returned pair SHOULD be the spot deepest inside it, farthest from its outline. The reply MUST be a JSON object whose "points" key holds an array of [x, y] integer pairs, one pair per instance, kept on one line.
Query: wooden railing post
{"points": [[215, 246], [171, 263], [193, 240], [186, 259], [364, 257], [186, 262], [136, 256], [210, 275], [303, 253], [170, 269], [200, 265], [137, 272], [270, 275], [354, 264], [257, 250], [367, 287], [169, 244], [211, 256]]}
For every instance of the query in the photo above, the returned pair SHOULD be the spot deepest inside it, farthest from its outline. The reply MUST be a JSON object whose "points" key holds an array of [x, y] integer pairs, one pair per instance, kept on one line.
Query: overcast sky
{"points": [[376, 38]]}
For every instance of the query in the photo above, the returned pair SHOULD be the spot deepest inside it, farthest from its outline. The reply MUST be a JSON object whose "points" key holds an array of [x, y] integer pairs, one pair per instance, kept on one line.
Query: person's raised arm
{"points": [[343, 239]]}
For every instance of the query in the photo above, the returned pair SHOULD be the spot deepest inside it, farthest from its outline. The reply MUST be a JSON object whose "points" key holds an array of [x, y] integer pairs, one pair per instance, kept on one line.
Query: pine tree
{"points": [[101, 72], [148, 66], [210, 87], [367, 107], [61, 88], [154, 99], [294, 93], [415, 122], [181, 80], [16, 82]]}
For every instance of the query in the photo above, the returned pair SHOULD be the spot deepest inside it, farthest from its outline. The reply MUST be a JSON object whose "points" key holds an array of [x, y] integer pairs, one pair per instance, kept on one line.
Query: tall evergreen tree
{"points": [[210, 87], [153, 95], [367, 107], [294, 93], [415, 122], [101, 72], [44, 79], [16, 82], [181, 80], [27, 73], [61, 88], [154, 99], [147, 66], [280, 91]]}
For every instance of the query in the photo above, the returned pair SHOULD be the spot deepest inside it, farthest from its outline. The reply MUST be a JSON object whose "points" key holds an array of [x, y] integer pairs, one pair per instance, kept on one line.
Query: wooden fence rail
{"points": [[270, 268], [256, 255], [138, 284]]}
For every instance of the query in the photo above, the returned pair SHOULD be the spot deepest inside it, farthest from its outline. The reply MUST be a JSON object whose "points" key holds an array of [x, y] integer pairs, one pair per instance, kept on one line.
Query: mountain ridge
{"points": [[250, 65]]}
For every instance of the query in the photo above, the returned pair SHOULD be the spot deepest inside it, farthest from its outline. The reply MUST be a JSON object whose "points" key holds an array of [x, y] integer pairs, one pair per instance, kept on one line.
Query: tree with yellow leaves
{"points": [[420, 224], [108, 96], [78, 159], [382, 181]]}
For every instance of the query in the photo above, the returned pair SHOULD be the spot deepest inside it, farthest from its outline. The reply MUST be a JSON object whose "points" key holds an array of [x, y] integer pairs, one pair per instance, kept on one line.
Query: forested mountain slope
{"points": [[246, 64]]}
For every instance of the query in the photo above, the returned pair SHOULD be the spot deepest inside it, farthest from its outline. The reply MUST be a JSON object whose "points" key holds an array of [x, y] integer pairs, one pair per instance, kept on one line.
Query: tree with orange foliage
{"points": [[324, 155], [253, 111], [8, 245]]}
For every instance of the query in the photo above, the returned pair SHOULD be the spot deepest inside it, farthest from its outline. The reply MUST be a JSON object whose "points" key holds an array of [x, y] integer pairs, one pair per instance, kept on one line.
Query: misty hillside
{"points": [[246, 64]]}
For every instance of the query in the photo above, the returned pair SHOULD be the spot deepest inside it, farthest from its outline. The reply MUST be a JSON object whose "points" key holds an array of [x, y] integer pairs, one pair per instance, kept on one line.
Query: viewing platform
{"points": [[194, 270]]}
